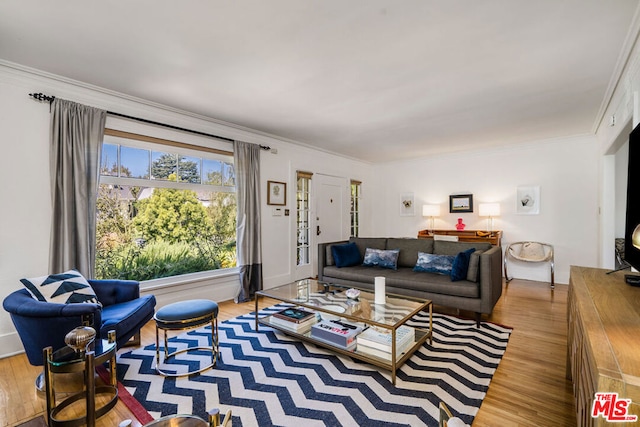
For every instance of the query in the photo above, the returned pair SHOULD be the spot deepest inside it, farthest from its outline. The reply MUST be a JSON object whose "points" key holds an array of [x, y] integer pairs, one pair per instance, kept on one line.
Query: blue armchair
{"points": [[42, 324]]}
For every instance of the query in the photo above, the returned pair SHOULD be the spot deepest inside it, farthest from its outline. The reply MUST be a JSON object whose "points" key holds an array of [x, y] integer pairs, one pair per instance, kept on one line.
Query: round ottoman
{"points": [[181, 316]]}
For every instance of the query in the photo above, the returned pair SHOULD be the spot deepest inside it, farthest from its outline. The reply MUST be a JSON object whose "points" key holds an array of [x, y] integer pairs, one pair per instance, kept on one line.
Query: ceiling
{"points": [[370, 79]]}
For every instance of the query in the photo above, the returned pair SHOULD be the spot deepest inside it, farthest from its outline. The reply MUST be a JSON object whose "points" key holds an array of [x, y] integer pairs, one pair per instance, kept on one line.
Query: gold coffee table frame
{"points": [[322, 297]]}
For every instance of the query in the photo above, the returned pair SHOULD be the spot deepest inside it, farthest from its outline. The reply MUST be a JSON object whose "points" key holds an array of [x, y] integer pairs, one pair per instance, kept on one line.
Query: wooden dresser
{"points": [[494, 238], [603, 341]]}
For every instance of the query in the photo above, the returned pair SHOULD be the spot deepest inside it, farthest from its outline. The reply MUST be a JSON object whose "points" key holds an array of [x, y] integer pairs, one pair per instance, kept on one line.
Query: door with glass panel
{"points": [[303, 254]]}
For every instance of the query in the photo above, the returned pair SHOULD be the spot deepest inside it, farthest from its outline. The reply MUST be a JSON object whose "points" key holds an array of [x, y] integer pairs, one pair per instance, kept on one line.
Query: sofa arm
{"points": [[490, 278], [113, 291], [322, 256]]}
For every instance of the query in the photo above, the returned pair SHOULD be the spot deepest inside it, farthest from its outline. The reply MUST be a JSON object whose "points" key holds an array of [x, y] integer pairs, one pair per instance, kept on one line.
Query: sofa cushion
{"points": [[431, 263], [397, 281], [369, 242], [453, 248], [345, 255], [409, 249], [460, 266], [64, 288], [473, 272], [384, 258]]}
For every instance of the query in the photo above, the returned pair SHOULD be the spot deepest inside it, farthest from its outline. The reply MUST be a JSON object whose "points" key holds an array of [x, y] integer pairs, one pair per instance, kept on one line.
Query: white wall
{"points": [[25, 217], [565, 169]]}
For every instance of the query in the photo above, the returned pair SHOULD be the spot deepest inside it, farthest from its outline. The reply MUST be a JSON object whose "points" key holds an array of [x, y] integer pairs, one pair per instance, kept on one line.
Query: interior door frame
{"points": [[311, 270]]}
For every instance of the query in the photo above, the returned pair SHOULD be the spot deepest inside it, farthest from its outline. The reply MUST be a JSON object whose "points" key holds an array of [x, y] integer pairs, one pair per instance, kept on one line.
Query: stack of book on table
{"points": [[377, 342], [294, 319], [337, 332]]}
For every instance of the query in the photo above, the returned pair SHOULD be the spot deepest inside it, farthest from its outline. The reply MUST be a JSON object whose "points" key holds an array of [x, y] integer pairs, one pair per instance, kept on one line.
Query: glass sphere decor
{"points": [[79, 338]]}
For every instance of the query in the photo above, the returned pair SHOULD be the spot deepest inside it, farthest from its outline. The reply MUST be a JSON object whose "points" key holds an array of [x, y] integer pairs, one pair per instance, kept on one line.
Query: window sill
{"points": [[185, 279]]}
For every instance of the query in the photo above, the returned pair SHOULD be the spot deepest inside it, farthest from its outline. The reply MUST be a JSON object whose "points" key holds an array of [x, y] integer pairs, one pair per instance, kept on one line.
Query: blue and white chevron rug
{"points": [[270, 379]]}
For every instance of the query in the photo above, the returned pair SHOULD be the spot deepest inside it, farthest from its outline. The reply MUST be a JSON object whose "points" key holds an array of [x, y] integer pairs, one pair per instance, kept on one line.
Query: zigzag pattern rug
{"points": [[267, 378]]}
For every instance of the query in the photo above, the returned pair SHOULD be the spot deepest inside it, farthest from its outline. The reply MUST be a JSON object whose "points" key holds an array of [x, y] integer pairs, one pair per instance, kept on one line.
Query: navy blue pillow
{"points": [[345, 255], [461, 265]]}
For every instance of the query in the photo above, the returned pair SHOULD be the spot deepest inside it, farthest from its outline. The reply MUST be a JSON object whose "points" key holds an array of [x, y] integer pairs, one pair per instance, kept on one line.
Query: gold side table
{"points": [[66, 360]]}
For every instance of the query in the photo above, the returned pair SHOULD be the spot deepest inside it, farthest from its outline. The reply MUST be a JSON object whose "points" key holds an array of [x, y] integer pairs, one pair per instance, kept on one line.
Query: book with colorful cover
{"points": [[374, 338], [337, 332], [294, 315]]}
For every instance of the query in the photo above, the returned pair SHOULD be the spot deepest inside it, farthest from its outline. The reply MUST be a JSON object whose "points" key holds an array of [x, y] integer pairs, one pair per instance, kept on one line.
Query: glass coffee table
{"points": [[331, 302]]}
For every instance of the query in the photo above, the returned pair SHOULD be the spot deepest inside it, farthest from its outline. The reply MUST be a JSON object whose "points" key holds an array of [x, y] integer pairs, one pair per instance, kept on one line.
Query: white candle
{"points": [[379, 283]]}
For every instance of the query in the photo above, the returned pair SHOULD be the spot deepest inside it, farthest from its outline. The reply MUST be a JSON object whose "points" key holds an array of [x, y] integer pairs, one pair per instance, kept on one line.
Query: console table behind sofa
{"points": [[494, 237]]}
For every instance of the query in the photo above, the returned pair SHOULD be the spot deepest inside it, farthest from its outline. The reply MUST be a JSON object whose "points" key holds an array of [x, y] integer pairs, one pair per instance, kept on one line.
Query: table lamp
{"points": [[491, 210], [431, 211]]}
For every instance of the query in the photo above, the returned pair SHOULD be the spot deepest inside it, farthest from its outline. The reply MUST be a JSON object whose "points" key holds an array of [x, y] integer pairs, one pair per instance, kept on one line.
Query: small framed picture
{"points": [[460, 203], [407, 205], [276, 193], [528, 200]]}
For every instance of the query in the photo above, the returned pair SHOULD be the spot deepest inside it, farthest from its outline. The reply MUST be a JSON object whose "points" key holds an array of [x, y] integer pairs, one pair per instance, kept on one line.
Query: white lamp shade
{"points": [[489, 209], [430, 210]]}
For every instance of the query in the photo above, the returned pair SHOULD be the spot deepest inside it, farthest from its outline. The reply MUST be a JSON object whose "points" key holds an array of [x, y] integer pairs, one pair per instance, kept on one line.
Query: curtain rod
{"points": [[46, 98]]}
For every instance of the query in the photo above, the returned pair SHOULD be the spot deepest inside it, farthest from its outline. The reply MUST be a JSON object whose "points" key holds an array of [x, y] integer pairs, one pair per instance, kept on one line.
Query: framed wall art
{"points": [[460, 203], [276, 193], [528, 200], [407, 204]]}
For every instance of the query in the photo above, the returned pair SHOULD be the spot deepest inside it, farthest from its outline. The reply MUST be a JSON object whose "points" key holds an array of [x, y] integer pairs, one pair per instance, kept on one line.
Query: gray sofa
{"points": [[479, 293]]}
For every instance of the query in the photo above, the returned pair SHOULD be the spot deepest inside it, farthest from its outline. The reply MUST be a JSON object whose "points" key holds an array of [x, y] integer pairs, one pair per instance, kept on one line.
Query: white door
{"points": [[331, 211]]}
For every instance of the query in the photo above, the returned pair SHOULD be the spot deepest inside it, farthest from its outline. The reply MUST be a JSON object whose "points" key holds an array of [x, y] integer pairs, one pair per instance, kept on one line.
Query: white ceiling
{"points": [[370, 79]]}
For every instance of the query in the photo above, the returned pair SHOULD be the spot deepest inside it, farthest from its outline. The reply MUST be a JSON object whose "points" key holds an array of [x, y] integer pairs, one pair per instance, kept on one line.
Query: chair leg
{"points": [[506, 275], [478, 319], [134, 341], [40, 383]]}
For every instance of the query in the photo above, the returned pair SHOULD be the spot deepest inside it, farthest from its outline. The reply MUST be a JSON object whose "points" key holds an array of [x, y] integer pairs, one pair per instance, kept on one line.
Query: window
{"points": [[356, 195], [163, 210], [303, 217]]}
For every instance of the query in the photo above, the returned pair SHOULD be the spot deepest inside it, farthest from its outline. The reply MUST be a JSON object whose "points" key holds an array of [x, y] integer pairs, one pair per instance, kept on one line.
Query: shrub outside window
{"points": [[163, 211]]}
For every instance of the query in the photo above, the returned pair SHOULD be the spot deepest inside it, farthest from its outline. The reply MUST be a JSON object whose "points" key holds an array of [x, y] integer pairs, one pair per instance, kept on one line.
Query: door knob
{"points": [[318, 230]]}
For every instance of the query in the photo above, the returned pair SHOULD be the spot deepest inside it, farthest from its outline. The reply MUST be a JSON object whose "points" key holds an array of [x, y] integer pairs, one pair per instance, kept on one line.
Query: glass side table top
{"points": [[332, 299], [66, 355]]}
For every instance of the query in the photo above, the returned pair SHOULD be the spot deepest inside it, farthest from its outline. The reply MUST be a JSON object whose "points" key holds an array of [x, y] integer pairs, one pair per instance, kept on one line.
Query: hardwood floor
{"points": [[528, 389]]}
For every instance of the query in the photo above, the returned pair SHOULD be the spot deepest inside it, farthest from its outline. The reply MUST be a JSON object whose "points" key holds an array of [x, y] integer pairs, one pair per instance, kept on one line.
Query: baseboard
{"points": [[10, 344]]}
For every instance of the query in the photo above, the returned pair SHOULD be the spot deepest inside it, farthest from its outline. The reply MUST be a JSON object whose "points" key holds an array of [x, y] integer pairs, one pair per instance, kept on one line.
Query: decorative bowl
{"points": [[352, 293]]}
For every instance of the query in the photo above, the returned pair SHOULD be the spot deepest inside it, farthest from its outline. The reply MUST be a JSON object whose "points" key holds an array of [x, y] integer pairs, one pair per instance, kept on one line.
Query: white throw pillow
{"points": [[64, 288], [532, 251]]}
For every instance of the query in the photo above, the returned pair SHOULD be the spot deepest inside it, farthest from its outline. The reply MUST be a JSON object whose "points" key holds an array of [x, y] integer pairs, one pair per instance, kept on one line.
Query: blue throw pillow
{"points": [[345, 255], [431, 263], [381, 258], [461, 265]]}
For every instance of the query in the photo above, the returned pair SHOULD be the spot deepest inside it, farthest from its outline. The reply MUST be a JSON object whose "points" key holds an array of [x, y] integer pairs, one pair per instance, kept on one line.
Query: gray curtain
{"points": [[248, 236], [76, 140]]}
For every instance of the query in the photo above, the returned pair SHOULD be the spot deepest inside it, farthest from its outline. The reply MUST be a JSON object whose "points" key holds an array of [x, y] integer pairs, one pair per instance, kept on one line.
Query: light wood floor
{"points": [[528, 389]]}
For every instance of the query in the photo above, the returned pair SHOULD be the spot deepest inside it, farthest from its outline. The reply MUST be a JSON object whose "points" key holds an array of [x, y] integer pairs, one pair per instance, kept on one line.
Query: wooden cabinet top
{"points": [[495, 237], [610, 314]]}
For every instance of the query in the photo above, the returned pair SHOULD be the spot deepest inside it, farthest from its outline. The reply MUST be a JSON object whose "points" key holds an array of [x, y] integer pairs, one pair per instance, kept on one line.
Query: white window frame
{"points": [[195, 278]]}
